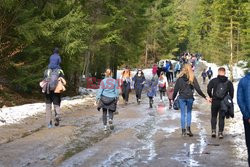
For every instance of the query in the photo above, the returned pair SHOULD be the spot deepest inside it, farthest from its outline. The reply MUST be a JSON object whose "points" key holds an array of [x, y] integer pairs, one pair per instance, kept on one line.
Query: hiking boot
{"points": [[170, 107], [213, 133], [138, 101], [50, 125], [220, 135], [189, 133], [111, 124], [183, 132], [105, 128], [57, 121]]}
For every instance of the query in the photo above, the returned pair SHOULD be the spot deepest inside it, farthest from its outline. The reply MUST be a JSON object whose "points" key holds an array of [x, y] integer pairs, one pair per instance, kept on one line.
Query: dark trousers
{"points": [[125, 91], [151, 101], [104, 116], [168, 76], [215, 110], [138, 93], [162, 93], [247, 135], [171, 75], [204, 79]]}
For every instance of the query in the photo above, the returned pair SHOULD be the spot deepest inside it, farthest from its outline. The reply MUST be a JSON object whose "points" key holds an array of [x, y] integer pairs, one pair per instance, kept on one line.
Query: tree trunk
{"points": [[146, 55], [231, 46], [154, 50], [86, 64]]}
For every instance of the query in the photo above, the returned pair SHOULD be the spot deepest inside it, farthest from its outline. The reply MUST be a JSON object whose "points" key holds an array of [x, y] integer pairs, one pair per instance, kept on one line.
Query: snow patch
{"points": [[11, 115]]}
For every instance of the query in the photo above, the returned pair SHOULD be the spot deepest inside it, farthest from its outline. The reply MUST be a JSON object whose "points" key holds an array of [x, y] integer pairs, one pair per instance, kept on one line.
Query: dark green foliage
{"points": [[94, 35]]}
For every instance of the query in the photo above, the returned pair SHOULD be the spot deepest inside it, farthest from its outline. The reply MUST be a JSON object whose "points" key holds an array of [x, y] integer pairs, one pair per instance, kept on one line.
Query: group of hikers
{"points": [[176, 79]]}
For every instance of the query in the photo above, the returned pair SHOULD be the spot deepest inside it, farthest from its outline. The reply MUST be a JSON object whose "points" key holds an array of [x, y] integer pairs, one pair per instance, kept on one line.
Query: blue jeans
{"points": [[186, 106]]}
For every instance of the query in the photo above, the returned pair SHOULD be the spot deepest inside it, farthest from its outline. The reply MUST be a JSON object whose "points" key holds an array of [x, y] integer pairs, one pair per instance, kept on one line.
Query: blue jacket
{"points": [[243, 96], [109, 88], [138, 81], [54, 61]]}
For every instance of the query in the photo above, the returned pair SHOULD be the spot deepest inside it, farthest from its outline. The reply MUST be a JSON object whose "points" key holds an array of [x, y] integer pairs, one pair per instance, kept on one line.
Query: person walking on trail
{"points": [[171, 72], [209, 73], [170, 92], [185, 85], [243, 99], [217, 89], [152, 89], [177, 69], [55, 60], [162, 84], [166, 70], [204, 75], [126, 80], [154, 69], [139, 81], [53, 85], [107, 97]]}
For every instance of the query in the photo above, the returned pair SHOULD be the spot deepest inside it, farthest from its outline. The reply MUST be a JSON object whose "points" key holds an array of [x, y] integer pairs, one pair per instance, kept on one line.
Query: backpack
{"points": [[221, 90], [52, 78]]}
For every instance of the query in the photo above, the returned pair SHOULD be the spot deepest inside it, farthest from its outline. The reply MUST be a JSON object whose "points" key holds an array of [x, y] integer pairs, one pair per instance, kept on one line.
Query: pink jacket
{"points": [[154, 70]]}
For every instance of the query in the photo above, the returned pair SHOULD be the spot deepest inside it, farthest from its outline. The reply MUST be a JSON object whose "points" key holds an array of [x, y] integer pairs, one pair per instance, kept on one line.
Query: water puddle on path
{"points": [[187, 155]]}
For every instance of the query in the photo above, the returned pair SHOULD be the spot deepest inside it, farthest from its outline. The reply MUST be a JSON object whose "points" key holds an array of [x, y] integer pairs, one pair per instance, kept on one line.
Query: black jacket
{"points": [[212, 87], [186, 91]]}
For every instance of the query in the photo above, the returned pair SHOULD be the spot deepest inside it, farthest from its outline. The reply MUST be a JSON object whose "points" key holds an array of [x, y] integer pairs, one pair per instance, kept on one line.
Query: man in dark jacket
{"points": [[212, 90], [243, 98]]}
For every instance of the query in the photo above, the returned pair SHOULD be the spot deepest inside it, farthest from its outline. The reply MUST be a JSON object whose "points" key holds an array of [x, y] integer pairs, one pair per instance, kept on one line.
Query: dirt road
{"points": [[142, 137]]}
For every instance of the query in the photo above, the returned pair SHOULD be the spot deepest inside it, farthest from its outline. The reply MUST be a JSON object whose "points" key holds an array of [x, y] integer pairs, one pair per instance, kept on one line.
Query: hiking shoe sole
{"points": [[57, 122]]}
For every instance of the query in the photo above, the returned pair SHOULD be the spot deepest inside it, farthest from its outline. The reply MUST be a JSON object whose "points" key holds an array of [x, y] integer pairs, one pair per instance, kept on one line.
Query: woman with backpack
{"points": [[139, 80], [107, 98], [162, 84], [185, 85]]}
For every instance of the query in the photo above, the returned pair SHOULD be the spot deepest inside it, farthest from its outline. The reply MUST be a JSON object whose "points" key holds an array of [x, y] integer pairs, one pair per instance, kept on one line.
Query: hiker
{"points": [[152, 88], [209, 73], [107, 97], [162, 84], [154, 69], [139, 81], [52, 86], [177, 69], [171, 72], [185, 85], [204, 75], [243, 99], [55, 60], [166, 70], [126, 84], [170, 92], [217, 89]]}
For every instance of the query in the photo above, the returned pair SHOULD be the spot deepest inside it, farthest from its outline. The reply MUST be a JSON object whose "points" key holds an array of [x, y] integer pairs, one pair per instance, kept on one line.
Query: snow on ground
{"points": [[11, 115], [238, 72]]}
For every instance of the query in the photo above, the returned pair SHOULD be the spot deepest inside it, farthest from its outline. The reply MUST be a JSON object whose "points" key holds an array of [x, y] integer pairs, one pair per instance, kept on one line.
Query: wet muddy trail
{"points": [[142, 137]]}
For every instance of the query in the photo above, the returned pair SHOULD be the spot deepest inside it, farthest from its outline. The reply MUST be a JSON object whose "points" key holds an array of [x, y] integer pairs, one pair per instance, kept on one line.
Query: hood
{"points": [[222, 78]]}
